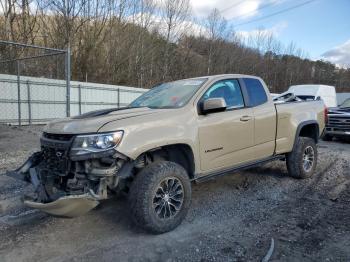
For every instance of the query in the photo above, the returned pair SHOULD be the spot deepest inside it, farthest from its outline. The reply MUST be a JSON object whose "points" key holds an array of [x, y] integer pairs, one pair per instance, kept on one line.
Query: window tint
{"points": [[228, 90], [256, 91]]}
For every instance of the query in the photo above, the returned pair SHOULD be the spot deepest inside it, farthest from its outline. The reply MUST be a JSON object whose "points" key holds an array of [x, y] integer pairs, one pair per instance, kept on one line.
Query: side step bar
{"points": [[205, 177]]}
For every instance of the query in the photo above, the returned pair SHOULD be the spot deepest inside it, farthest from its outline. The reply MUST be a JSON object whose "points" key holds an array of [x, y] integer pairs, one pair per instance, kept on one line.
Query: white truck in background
{"points": [[311, 92]]}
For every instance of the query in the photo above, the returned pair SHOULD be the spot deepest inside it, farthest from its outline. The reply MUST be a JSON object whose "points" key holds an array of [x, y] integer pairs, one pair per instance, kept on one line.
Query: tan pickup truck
{"points": [[179, 132]]}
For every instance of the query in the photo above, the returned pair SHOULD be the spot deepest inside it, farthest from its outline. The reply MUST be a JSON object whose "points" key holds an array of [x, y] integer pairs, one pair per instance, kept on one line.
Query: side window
{"points": [[256, 91], [228, 90]]}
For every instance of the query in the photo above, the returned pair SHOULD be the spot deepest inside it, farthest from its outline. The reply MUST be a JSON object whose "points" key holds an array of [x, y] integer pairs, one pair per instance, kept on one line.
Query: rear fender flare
{"points": [[300, 127]]}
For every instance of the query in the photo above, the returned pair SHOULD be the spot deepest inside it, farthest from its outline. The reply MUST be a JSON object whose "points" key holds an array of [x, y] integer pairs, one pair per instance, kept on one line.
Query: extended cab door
{"points": [[265, 116], [226, 138]]}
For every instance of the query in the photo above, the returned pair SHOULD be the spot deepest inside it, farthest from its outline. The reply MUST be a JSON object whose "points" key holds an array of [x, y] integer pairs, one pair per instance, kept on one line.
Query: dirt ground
{"points": [[232, 218]]}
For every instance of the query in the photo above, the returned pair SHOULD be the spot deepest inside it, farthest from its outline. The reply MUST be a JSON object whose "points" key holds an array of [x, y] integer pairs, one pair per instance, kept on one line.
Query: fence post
{"points": [[118, 90], [79, 97], [67, 62], [19, 93], [29, 104]]}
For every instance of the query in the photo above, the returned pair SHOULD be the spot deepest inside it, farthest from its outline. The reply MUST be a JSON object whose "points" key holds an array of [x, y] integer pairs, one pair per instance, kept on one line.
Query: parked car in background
{"points": [[338, 123], [312, 92]]}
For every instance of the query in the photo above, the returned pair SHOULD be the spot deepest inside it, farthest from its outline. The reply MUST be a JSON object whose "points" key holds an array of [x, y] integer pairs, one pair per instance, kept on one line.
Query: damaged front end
{"points": [[69, 178]]}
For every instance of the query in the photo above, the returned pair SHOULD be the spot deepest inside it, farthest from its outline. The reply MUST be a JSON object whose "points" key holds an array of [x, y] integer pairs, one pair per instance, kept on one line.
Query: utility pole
{"points": [[68, 75], [67, 61]]}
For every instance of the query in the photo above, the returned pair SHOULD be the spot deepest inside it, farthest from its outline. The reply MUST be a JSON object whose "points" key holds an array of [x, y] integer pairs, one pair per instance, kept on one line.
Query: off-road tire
{"points": [[295, 158], [142, 192]]}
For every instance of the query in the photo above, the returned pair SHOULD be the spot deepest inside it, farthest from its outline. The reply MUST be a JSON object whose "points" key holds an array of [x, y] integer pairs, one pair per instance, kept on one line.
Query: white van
{"points": [[315, 92]]}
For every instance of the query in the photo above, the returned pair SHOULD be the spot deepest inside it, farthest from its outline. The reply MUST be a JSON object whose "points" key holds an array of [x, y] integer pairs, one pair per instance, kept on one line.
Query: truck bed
{"points": [[289, 115]]}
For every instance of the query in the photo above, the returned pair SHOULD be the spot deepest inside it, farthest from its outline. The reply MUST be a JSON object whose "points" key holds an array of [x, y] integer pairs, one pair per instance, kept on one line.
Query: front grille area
{"points": [[339, 122], [55, 149], [55, 160], [59, 137]]}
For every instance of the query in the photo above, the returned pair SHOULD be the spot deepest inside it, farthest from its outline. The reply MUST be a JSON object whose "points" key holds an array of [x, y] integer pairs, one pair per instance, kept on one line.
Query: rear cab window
{"points": [[256, 91]]}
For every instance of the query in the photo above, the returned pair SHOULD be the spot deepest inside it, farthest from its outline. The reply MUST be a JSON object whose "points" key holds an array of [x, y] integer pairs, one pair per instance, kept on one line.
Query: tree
{"points": [[216, 26], [174, 14]]}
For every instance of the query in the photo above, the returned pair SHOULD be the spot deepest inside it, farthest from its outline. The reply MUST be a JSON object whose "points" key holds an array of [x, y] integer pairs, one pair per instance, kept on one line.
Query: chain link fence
{"points": [[38, 100], [35, 86]]}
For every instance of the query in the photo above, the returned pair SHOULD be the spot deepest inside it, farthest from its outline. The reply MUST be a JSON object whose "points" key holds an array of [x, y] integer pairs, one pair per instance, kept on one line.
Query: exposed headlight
{"points": [[86, 144]]}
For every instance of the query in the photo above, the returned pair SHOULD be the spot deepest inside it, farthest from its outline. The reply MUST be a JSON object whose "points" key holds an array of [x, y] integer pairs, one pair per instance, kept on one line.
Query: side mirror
{"points": [[212, 105]]}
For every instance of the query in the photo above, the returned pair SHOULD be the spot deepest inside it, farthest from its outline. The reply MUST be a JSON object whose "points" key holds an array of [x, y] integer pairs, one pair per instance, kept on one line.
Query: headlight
{"points": [[96, 143]]}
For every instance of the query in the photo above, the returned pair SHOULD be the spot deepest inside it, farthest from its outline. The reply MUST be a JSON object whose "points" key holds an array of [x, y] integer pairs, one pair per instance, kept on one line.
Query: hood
{"points": [[91, 122], [338, 110]]}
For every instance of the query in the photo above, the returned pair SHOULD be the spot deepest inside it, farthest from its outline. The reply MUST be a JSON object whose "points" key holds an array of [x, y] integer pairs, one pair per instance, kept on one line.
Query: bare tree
{"points": [[174, 14], [63, 19], [19, 20], [216, 25]]}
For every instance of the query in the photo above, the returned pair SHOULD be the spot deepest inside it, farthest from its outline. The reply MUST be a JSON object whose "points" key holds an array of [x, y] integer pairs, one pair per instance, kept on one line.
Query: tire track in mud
{"points": [[312, 217]]}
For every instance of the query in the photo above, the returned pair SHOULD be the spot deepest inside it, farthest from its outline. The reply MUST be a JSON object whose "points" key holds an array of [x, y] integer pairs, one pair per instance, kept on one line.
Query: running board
{"points": [[204, 177]]}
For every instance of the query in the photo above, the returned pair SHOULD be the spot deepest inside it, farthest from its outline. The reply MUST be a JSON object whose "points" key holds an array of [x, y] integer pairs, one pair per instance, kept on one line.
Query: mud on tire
{"points": [[155, 186], [304, 149]]}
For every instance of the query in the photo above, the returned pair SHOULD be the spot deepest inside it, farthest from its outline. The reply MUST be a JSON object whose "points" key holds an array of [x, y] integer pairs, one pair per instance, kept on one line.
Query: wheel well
{"points": [[311, 131], [178, 153]]}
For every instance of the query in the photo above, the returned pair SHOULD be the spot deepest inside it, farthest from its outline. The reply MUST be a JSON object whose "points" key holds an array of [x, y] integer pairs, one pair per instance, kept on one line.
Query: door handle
{"points": [[245, 118]]}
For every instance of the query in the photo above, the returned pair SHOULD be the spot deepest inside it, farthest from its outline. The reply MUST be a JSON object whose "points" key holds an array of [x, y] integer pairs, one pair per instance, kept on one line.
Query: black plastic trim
{"points": [[301, 125], [201, 178], [244, 93], [56, 144]]}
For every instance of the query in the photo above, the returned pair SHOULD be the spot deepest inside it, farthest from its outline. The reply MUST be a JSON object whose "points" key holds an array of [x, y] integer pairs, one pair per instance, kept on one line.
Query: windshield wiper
{"points": [[161, 107], [132, 107]]}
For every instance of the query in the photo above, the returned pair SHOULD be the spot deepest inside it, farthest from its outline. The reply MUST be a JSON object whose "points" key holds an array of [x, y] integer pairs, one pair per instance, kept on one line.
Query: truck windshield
{"points": [[169, 95]]}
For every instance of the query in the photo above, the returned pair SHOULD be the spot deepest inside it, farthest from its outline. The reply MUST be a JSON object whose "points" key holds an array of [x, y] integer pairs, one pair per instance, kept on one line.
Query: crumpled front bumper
{"points": [[67, 206], [64, 206]]}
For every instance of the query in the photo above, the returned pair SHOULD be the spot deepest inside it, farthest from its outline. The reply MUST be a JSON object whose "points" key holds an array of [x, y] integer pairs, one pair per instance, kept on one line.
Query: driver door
{"points": [[226, 138]]}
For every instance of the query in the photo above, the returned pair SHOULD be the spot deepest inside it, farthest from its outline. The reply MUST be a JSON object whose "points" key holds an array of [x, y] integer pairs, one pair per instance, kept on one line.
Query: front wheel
{"points": [[160, 197], [302, 161]]}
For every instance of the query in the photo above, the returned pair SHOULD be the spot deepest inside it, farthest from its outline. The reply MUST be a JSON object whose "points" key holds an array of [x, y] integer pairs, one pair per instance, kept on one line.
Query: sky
{"points": [[321, 28]]}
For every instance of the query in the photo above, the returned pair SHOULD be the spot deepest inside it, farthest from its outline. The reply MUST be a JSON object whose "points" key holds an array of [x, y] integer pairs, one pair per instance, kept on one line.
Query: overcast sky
{"points": [[321, 28]]}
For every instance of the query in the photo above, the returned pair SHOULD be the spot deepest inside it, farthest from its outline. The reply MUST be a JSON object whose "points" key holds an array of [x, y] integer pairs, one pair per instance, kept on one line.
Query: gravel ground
{"points": [[232, 218]]}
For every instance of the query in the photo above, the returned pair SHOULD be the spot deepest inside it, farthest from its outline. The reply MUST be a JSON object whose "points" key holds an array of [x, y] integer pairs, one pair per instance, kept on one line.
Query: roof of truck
{"points": [[211, 77]]}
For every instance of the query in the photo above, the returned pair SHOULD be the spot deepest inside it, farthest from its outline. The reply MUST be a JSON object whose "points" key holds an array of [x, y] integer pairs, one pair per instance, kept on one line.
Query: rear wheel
{"points": [[160, 197], [302, 161]]}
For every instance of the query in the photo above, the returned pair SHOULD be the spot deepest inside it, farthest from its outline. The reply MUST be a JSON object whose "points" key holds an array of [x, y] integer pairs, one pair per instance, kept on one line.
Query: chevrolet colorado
{"points": [[179, 132]]}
